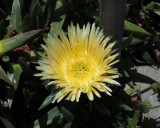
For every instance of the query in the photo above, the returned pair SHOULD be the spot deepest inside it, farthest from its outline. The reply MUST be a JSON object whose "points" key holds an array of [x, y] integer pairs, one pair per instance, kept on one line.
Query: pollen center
{"points": [[79, 70]]}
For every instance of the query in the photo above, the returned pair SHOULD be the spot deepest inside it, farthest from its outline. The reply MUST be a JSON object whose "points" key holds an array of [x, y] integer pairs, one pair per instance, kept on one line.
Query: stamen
{"points": [[79, 70]]}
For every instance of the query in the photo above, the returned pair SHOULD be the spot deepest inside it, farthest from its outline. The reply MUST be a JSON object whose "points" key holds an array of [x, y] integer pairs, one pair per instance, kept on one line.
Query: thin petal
{"points": [[96, 92], [90, 95]]}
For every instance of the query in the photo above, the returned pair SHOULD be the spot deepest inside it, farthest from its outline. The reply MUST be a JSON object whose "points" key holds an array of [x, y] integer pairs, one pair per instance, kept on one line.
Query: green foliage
{"points": [[3, 76], [16, 19], [147, 57], [47, 101], [145, 106], [136, 30], [36, 15], [67, 114], [132, 122], [156, 89], [25, 102], [47, 118], [59, 14], [13, 42], [132, 90], [153, 6]]}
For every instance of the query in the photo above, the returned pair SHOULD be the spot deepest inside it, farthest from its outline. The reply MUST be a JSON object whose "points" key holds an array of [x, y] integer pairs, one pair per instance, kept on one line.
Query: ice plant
{"points": [[79, 63], [9, 44]]}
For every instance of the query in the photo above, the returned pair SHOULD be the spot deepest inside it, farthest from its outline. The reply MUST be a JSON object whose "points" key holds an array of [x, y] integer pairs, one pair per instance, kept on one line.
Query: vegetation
{"points": [[26, 101]]}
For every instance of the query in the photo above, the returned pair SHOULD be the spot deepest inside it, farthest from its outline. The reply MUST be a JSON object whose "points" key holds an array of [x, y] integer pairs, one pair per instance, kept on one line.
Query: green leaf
{"points": [[59, 15], [68, 125], [2, 29], [132, 122], [47, 118], [57, 121], [119, 122], [4, 77], [136, 41], [101, 108], [139, 61], [47, 101], [126, 41], [14, 71], [36, 13], [136, 30], [145, 106], [5, 58], [150, 6], [154, 6], [130, 40], [132, 90], [156, 87], [11, 89], [16, 18], [67, 114], [125, 107], [51, 4], [10, 43], [147, 57]]}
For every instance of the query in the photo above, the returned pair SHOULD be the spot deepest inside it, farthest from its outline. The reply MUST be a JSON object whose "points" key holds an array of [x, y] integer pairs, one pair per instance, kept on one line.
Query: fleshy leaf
{"points": [[136, 30], [51, 4], [4, 77], [8, 44], [132, 90], [47, 101], [147, 57], [132, 122], [47, 118], [154, 6], [59, 14], [67, 114], [16, 19], [37, 17], [145, 106], [125, 107], [14, 71]]}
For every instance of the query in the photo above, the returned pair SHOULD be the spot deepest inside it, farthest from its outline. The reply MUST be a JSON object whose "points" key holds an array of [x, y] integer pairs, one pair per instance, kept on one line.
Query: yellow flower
{"points": [[79, 63]]}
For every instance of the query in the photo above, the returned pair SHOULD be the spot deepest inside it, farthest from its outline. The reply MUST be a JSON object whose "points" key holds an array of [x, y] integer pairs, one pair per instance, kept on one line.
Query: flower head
{"points": [[79, 63]]}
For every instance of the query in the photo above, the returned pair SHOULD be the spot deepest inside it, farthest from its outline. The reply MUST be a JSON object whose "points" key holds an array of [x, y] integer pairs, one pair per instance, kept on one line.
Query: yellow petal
{"points": [[90, 95]]}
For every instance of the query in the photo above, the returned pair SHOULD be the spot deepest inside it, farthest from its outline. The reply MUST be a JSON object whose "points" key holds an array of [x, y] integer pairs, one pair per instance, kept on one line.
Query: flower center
{"points": [[79, 70]]}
